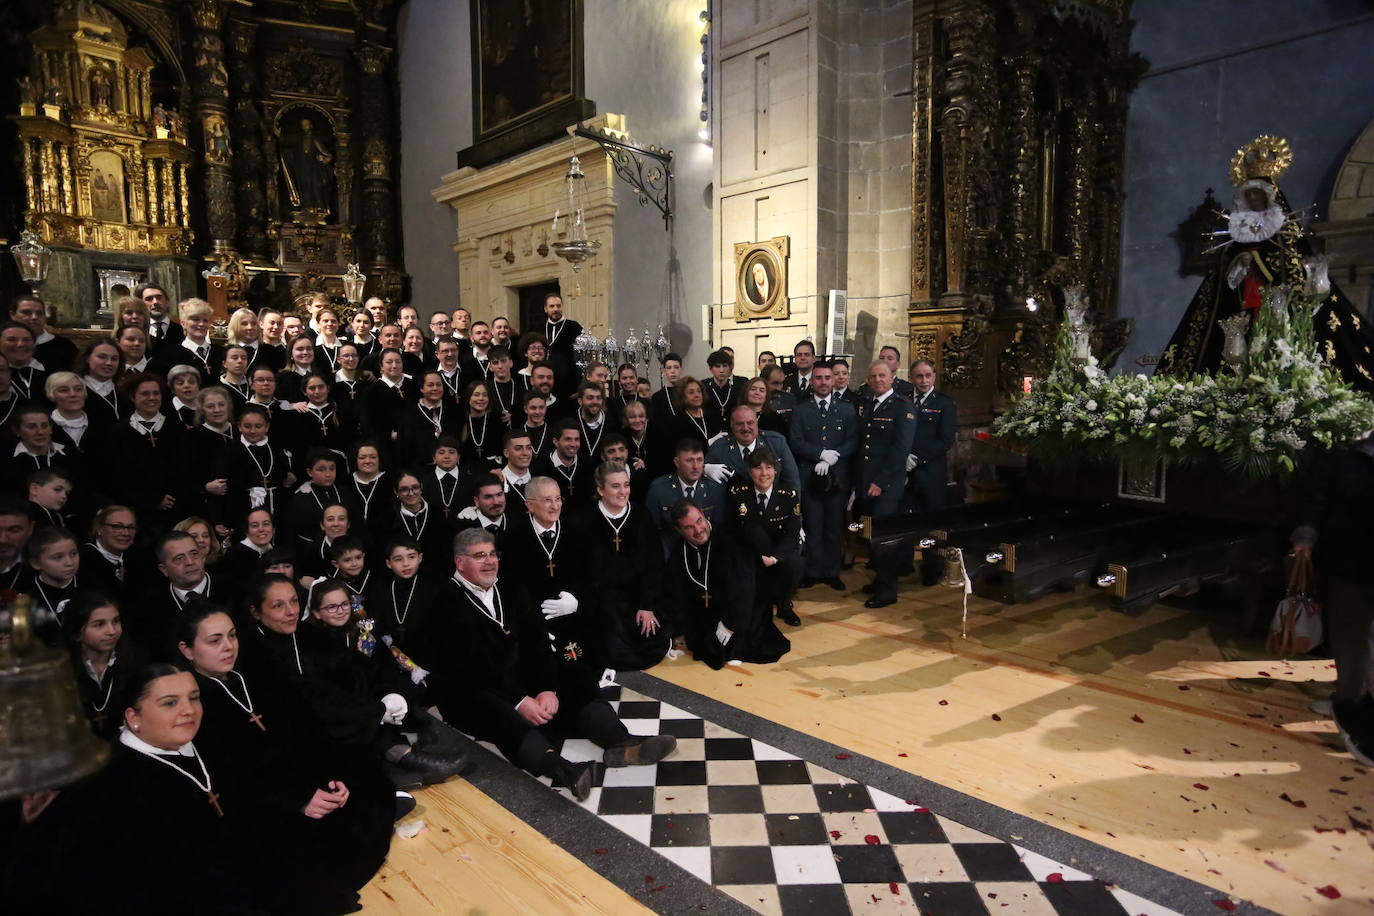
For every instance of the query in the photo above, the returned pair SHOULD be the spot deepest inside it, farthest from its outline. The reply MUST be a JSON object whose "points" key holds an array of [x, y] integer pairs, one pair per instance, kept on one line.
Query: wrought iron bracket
{"points": [[647, 170]]}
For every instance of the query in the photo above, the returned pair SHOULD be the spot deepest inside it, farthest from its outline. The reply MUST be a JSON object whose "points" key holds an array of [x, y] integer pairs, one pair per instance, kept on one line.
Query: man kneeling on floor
{"points": [[503, 682]]}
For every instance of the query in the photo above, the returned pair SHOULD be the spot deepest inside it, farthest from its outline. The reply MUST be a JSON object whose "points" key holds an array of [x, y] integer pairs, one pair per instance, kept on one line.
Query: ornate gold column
{"points": [[211, 90], [924, 257], [185, 186], [377, 225], [249, 165], [150, 191], [64, 167]]}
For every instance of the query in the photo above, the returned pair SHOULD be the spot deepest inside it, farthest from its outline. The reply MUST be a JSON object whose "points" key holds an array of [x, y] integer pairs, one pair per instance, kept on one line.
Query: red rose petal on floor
{"points": [[1184, 687], [872, 839], [1135, 718], [892, 886], [873, 897], [835, 834], [944, 702], [901, 754], [996, 717], [1294, 802], [1274, 865], [1198, 785], [601, 851], [1356, 822], [648, 879], [655, 890], [842, 756], [1055, 877], [1329, 892], [1226, 905], [1265, 674], [1338, 791], [1186, 751]]}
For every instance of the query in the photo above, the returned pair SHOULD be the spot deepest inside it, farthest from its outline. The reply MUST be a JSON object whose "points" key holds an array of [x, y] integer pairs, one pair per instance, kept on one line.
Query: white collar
{"points": [[540, 529], [247, 444], [43, 338], [768, 494], [99, 386], [189, 344], [200, 588], [100, 549], [53, 449], [178, 404], [506, 473], [390, 384], [920, 398], [473, 514], [829, 397], [63, 422], [130, 740], [885, 395], [684, 485], [485, 595], [623, 512], [440, 473], [594, 424], [408, 514], [254, 547], [137, 423], [139, 366]]}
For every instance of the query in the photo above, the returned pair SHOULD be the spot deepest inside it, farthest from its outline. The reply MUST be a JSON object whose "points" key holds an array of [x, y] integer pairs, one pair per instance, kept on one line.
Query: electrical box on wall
{"points": [[708, 324]]}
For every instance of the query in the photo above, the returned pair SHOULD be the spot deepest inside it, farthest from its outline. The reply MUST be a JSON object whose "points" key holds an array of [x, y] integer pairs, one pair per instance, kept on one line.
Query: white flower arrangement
{"points": [[1283, 407]]}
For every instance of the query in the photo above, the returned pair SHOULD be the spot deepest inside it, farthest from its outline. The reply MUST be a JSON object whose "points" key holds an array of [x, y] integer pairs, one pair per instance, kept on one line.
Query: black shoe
{"points": [[405, 803], [836, 583], [433, 767], [868, 589], [879, 602], [807, 582], [578, 778], [788, 615], [645, 751]]}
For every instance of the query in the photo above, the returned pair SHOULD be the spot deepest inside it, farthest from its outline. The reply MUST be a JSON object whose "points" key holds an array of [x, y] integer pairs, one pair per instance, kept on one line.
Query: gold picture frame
{"points": [[761, 279]]}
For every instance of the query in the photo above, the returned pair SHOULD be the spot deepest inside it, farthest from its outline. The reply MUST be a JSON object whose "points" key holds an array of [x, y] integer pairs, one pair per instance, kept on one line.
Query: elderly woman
{"points": [[185, 382]]}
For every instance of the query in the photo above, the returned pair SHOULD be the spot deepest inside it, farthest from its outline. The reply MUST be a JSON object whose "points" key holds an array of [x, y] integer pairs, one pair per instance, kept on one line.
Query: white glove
{"points": [[718, 472], [396, 708], [910, 463], [418, 676], [561, 606], [712, 441], [821, 468], [723, 633], [257, 496], [830, 456]]}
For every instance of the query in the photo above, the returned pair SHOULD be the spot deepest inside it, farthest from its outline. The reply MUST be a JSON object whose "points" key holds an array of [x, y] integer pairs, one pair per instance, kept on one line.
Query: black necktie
{"points": [[494, 528], [202, 351], [763, 503], [825, 405], [687, 492], [547, 538], [157, 330], [148, 425]]}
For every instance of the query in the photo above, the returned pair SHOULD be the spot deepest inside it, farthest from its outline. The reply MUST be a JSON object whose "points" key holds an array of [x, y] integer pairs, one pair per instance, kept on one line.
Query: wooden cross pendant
{"points": [[152, 439], [616, 539], [214, 802], [266, 484], [550, 566], [256, 719], [706, 599]]}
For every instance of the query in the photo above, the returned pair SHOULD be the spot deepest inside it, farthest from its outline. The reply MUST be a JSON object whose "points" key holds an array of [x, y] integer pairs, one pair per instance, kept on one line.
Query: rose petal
{"points": [[835, 834], [1295, 803], [1329, 892], [944, 702], [1226, 905], [842, 756], [655, 890], [1055, 877], [1274, 865], [996, 717], [601, 851], [1198, 785], [1184, 687], [1135, 718], [872, 839], [901, 754], [892, 886]]}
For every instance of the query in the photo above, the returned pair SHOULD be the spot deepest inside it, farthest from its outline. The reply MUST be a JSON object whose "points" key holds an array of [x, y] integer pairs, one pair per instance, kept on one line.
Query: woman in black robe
{"points": [[143, 462], [425, 422], [205, 457], [103, 658], [481, 431], [329, 822], [321, 423], [693, 421], [623, 558]]}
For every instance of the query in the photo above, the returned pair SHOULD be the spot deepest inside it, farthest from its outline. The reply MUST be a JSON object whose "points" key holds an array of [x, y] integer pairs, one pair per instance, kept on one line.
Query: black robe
{"points": [[418, 432], [576, 484], [403, 610], [730, 585], [205, 457], [625, 578]]}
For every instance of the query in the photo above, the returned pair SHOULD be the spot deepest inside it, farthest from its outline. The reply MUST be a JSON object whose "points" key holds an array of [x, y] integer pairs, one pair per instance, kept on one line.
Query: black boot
{"points": [[433, 767]]}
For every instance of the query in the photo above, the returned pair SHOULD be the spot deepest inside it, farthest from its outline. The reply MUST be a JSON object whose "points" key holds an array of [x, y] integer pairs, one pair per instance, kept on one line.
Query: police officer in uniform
{"points": [[934, 436], [769, 517], [688, 481], [887, 425], [824, 436]]}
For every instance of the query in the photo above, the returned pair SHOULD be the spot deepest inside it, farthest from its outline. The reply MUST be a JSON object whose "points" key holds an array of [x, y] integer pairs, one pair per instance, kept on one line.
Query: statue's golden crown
{"points": [[1263, 157]]}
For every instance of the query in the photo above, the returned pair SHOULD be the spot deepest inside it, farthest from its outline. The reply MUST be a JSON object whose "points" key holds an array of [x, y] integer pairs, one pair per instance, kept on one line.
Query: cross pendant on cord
{"points": [[213, 798], [256, 719], [617, 541], [706, 599], [550, 566], [266, 484], [152, 438]]}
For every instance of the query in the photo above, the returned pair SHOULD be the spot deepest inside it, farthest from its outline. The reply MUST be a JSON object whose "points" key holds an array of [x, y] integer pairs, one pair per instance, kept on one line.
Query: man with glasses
{"points": [[500, 682]]}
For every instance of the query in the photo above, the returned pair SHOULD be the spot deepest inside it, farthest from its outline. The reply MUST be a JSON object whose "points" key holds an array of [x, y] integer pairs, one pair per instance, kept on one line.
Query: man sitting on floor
{"points": [[501, 680]]}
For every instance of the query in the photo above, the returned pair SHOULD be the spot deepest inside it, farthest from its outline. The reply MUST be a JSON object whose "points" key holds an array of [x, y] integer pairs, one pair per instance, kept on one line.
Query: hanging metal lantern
{"points": [[33, 257], [577, 248], [354, 281]]}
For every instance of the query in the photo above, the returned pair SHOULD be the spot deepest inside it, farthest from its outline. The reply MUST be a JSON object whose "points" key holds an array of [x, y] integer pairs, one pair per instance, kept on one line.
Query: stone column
{"points": [[377, 226], [211, 106], [245, 126]]}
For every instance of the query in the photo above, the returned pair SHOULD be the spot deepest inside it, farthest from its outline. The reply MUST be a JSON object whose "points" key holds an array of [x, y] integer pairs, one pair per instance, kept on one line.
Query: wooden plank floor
{"points": [[475, 857], [1163, 736]]}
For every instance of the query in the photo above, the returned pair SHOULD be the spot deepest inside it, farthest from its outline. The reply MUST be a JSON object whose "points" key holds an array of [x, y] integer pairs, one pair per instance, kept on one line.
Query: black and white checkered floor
{"points": [[784, 835]]}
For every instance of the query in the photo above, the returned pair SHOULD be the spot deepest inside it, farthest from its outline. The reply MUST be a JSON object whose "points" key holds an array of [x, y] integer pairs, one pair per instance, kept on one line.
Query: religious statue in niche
{"points": [[1266, 244], [102, 88], [216, 140], [307, 163], [107, 186]]}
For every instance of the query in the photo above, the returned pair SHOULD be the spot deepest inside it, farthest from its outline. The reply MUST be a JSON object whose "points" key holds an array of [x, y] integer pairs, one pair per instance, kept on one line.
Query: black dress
{"points": [[102, 700], [316, 864], [142, 469], [205, 457], [624, 570], [726, 569], [420, 427], [482, 442]]}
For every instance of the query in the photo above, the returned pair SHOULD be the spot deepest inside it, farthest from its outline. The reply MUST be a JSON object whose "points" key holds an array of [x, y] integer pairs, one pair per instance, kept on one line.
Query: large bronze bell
{"points": [[45, 741]]}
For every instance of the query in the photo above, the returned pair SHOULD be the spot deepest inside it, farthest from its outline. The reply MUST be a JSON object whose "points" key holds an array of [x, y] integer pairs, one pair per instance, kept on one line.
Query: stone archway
{"points": [[1349, 229]]}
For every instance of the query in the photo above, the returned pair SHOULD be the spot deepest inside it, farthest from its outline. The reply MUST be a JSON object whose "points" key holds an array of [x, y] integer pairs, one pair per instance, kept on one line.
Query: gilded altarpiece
{"points": [[165, 137], [1018, 156]]}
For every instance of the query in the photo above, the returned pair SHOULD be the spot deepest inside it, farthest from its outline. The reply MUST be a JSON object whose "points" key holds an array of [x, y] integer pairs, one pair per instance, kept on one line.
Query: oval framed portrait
{"points": [[761, 279]]}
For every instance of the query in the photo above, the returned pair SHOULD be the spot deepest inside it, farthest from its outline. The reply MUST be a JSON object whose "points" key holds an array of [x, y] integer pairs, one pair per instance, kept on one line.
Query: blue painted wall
{"points": [[1221, 73]]}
